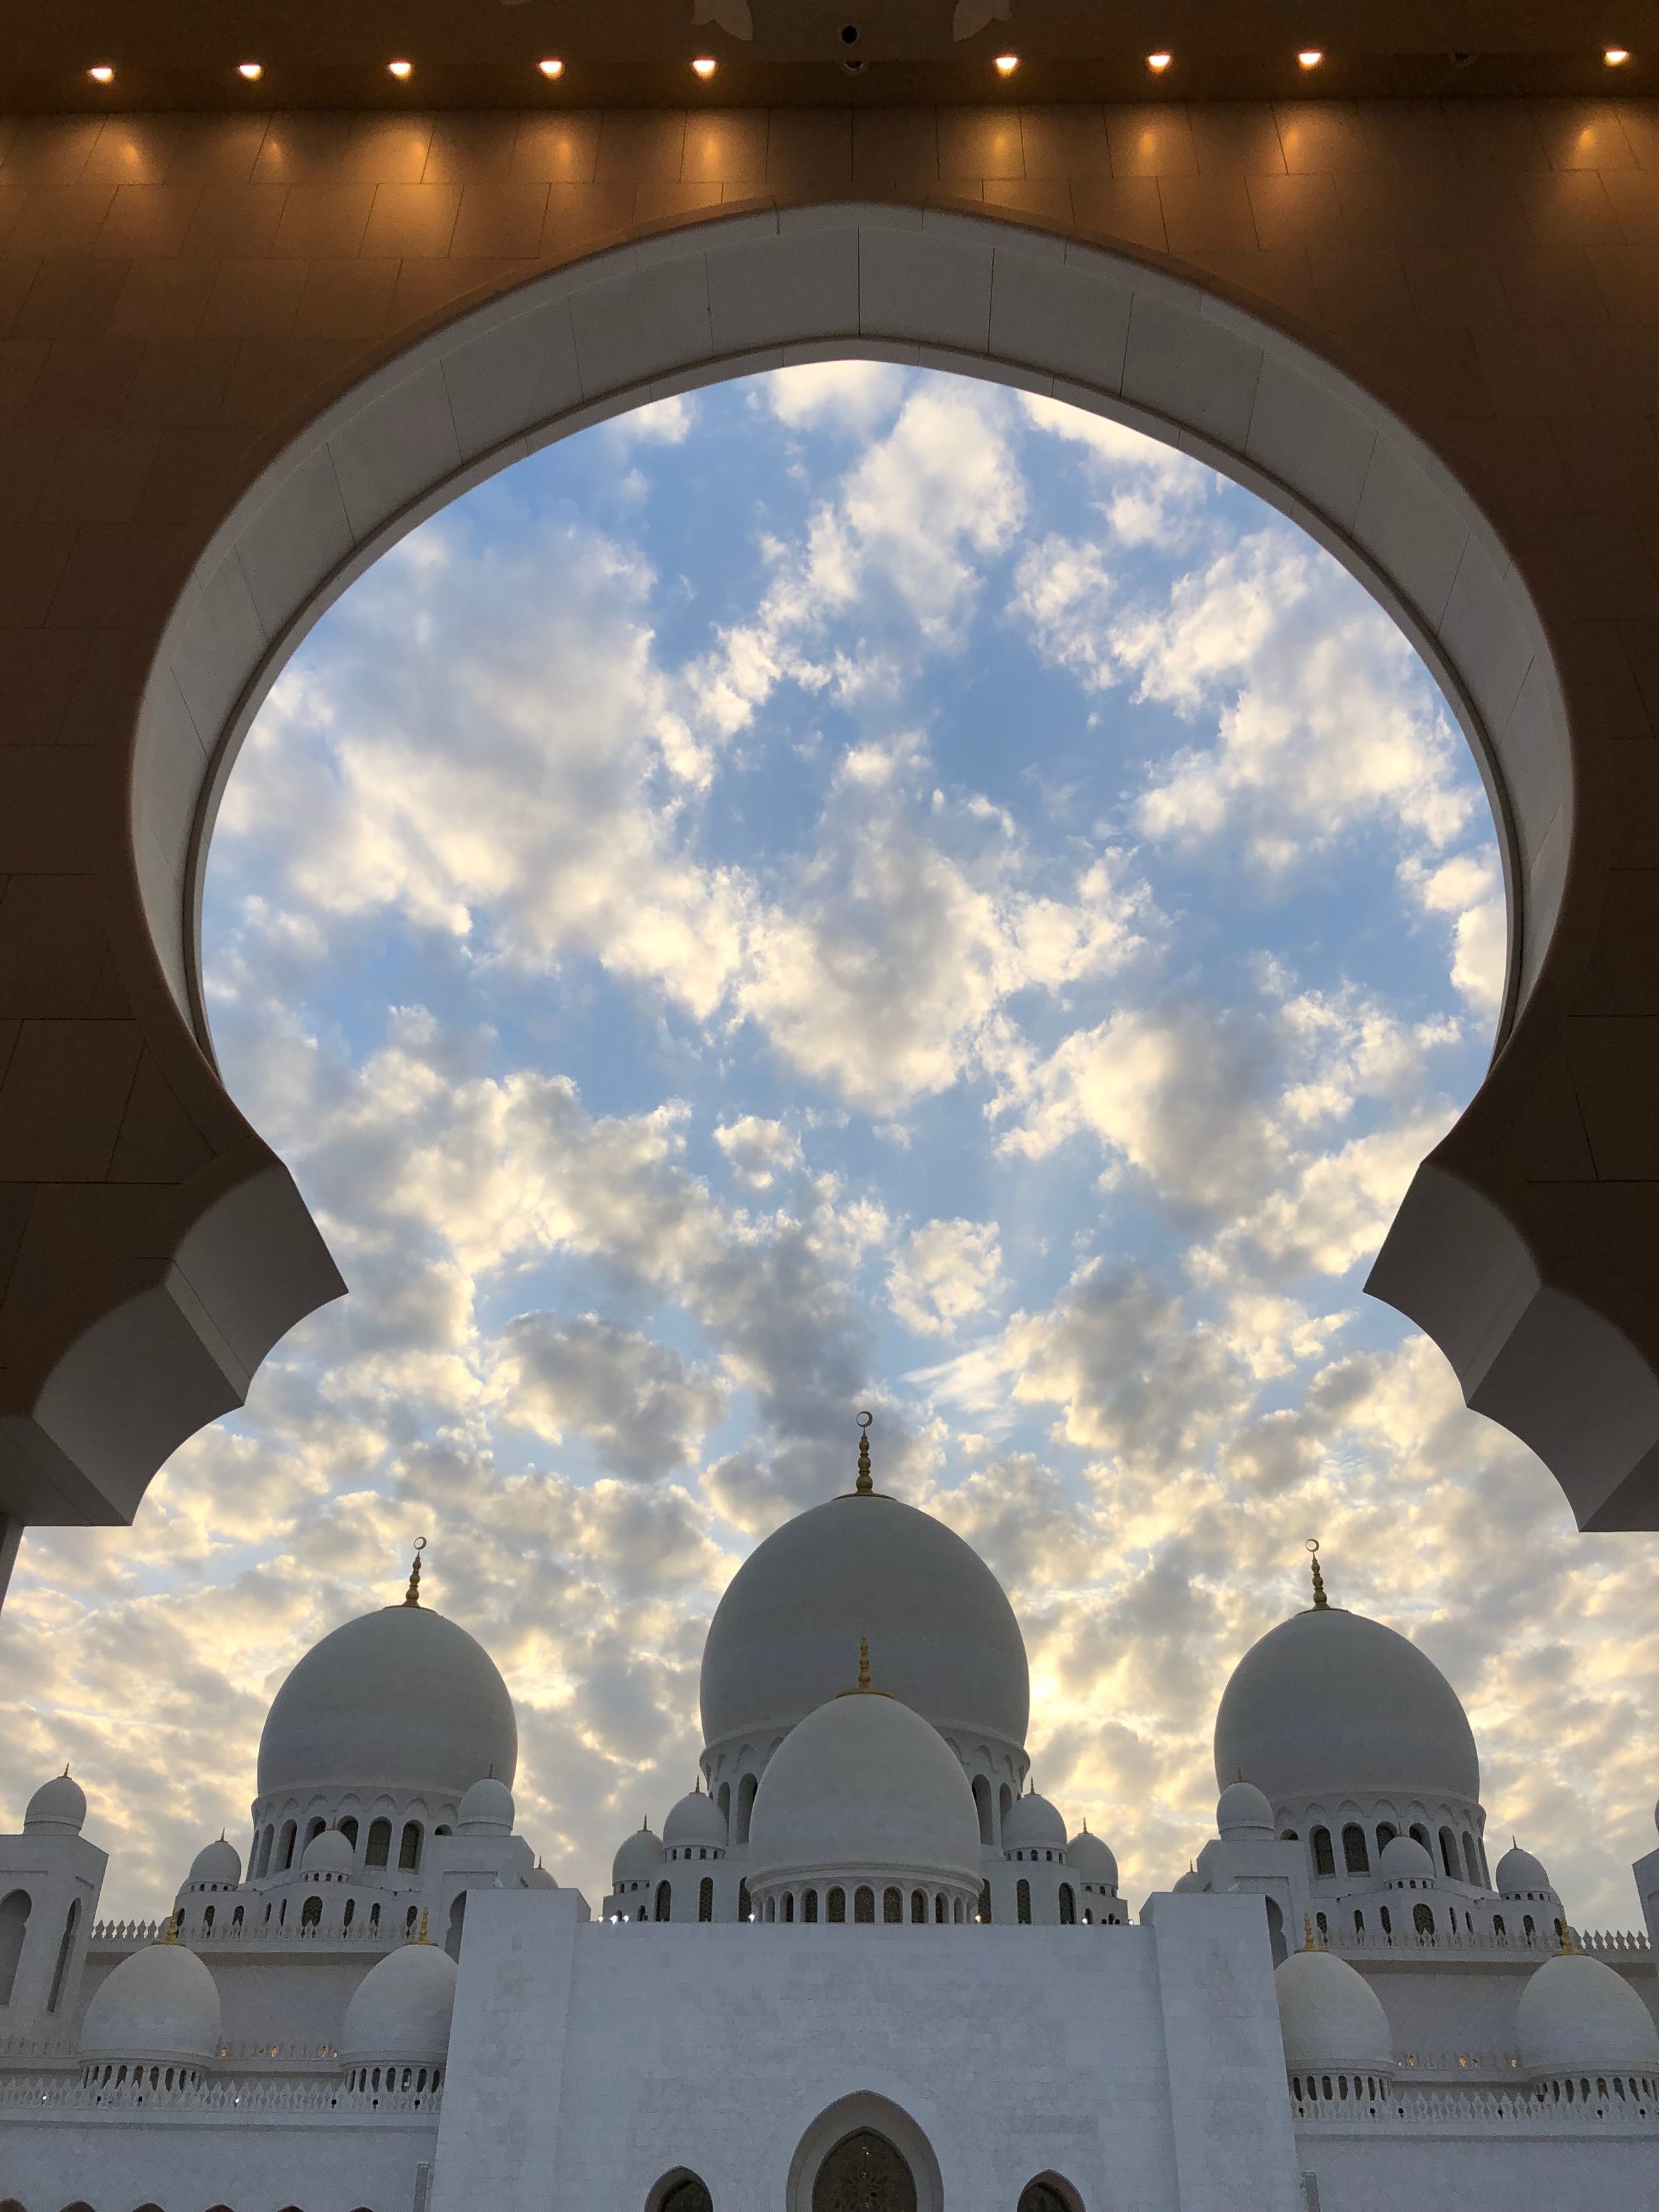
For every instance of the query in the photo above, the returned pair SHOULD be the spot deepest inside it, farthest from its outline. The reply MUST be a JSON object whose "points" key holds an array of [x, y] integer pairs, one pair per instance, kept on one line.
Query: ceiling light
{"points": [[101, 73], [1158, 62], [704, 66], [401, 69], [251, 71], [1310, 58], [1006, 65], [1615, 57], [551, 67]]}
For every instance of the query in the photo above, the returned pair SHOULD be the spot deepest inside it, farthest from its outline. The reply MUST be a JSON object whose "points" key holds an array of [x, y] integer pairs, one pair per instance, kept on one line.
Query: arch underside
{"points": [[1544, 1336]]}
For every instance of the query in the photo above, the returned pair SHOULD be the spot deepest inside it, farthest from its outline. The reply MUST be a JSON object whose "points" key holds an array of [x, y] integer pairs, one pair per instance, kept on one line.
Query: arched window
{"points": [[1499, 1929], [1004, 1806], [457, 1928], [236, 1917], [706, 1898], [1023, 1903], [1480, 1853], [1420, 1835], [1068, 1906], [789, 1904], [310, 1912], [66, 1947], [266, 1842], [918, 1907], [837, 1906], [409, 1921], [348, 1829], [941, 1910], [1526, 1923], [313, 1829], [1448, 1854], [351, 1912], [409, 1847], [864, 1903], [1048, 2194], [809, 1906], [982, 1807], [892, 1908], [1422, 1920], [207, 1925], [746, 1789], [684, 2194], [745, 1910], [1388, 1923], [1359, 1923], [866, 2171], [664, 1900], [985, 1903], [1356, 1859], [1324, 1859], [1323, 1925], [726, 1805], [1386, 1833], [771, 1909], [1471, 1869], [285, 1851], [374, 1916]]}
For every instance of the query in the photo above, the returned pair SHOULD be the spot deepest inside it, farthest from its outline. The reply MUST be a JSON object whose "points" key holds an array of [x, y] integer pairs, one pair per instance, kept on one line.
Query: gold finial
{"points": [[422, 1937], [1308, 1943], [173, 1919], [412, 1595], [1321, 1605], [1569, 1948], [864, 1662], [864, 1486]]}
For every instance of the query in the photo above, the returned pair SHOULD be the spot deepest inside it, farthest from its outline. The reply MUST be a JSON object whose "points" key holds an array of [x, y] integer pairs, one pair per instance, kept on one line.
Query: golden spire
{"points": [[1569, 1948], [412, 1595], [1321, 1605], [864, 1662], [864, 1486], [423, 1937], [1308, 1943]]}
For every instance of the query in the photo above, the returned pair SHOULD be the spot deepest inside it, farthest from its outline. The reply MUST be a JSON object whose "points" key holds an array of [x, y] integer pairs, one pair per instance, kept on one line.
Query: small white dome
{"points": [[1405, 1861], [488, 1809], [640, 1856], [864, 1785], [217, 1865], [1243, 1814], [159, 2003], [1093, 1861], [1519, 1874], [328, 1853], [1576, 2012], [539, 1878], [695, 1821], [401, 2008], [58, 1806], [1330, 2015], [1191, 1884], [1033, 1824]]}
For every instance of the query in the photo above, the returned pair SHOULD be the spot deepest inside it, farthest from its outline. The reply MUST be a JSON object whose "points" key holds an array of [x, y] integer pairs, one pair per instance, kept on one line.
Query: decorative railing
{"points": [[1452, 2064], [1406, 1942], [1401, 2105], [250, 2097], [42, 2052], [385, 1935]]}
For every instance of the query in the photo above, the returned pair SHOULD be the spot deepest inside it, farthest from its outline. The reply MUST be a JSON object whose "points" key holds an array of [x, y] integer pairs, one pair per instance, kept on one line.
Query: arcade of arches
{"points": [[244, 352]]}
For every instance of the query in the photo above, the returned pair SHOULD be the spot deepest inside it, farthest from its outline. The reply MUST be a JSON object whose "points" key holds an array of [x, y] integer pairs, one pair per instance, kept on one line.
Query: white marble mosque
{"points": [[862, 1968]]}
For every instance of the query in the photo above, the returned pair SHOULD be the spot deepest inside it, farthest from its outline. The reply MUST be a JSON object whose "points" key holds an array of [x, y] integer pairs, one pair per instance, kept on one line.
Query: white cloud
{"points": [[944, 1274], [759, 1151], [658, 422], [850, 395], [643, 1410], [1151, 490]]}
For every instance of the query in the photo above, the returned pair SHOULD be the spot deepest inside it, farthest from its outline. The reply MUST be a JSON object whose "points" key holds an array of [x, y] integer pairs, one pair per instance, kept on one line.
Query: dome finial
{"points": [[1308, 1943], [864, 1662], [1321, 1604], [1569, 1948], [864, 1486], [412, 1595], [423, 1937]]}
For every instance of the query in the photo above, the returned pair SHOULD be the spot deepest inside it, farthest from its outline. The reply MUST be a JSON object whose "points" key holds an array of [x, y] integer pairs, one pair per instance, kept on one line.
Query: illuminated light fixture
{"points": [[1310, 58], [101, 73], [401, 69], [251, 71], [551, 67], [1158, 62], [1006, 65], [704, 66], [1615, 57]]}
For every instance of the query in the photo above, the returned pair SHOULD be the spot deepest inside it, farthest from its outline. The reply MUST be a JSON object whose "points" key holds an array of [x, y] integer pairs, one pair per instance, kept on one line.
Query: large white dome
{"points": [[946, 1641], [1330, 1704], [401, 1698], [864, 1785], [161, 2003], [1330, 2015]]}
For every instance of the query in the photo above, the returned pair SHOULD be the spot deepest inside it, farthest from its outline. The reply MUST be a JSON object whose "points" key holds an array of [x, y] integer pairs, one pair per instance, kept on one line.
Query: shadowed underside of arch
{"points": [[1499, 1251]]}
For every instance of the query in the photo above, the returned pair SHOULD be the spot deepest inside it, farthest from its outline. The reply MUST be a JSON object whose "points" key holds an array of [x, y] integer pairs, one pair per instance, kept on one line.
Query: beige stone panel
{"points": [[468, 149], [1045, 199], [1207, 214], [1494, 135], [500, 218], [412, 220], [1063, 143], [133, 149], [1582, 134], [53, 946], [893, 146], [728, 146], [235, 221], [580, 216], [1236, 138], [51, 149], [642, 147], [667, 199], [1323, 138], [808, 150], [149, 219], [62, 1099], [1615, 1072], [219, 151], [158, 1142], [1120, 208], [980, 142], [324, 219], [1151, 141], [40, 671], [556, 149], [318, 150], [163, 300], [254, 298], [59, 219], [69, 298], [32, 558], [1302, 213], [99, 475]]}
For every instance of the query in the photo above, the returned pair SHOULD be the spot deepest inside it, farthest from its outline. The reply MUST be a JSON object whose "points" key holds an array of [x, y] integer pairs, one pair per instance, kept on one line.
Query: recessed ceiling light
{"points": [[101, 73], [251, 71], [1158, 62], [1310, 58], [401, 69], [705, 65], [551, 67], [1006, 65], [1615, 57]]}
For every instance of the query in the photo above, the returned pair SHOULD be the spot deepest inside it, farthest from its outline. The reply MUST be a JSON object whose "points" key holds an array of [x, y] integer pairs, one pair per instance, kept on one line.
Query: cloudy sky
{"points": [[856, 889]]}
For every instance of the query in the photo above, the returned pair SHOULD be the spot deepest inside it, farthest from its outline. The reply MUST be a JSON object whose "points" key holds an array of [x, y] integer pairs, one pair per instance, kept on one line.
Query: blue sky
{"points": [[855, 888]]}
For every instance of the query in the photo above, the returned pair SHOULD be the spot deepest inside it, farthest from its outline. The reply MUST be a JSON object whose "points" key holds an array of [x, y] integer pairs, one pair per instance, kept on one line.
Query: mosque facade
{"points": [[862, 1968]]}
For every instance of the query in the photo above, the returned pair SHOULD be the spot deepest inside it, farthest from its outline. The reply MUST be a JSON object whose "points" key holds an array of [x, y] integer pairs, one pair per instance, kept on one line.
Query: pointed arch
{"points": [[865, 2111]]}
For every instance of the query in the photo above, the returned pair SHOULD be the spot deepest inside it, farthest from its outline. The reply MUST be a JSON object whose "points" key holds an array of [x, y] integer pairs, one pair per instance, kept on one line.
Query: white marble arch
{"points": [[848, 2116], [983, 295]]}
